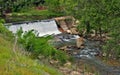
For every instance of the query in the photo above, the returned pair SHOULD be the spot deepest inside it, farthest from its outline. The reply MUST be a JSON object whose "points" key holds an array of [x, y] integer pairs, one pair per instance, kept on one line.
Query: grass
{"points": [[19, 64], [30, 14]]}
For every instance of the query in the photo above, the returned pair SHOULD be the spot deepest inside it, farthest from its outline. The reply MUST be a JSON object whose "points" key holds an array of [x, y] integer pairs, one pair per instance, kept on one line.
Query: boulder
{"points": [[79, 42], [74, 31], [69, 31]]}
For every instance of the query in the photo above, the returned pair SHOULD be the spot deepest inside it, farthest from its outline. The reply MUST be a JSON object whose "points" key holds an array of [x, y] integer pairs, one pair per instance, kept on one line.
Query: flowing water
{"points": [[44, 27], [89, 55]]}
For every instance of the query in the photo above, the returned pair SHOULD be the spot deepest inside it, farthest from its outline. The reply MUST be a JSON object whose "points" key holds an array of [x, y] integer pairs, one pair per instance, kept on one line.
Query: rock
{"points": [[74, 53], [104, 54], [63, 48], [82, 47], [74, 31], [53, 62], [69, 31], [80, 70], [67, 64], [56, 39], [63, 25], [75, 73], [79, 42], [64, 70], [92, 35], [87, 73]]}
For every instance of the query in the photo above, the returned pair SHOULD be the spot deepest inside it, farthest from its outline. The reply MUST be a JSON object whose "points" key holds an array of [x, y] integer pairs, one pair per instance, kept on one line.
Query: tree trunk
{"points": [[88, 27], [95, 32], [100, 32], [1, 12]]}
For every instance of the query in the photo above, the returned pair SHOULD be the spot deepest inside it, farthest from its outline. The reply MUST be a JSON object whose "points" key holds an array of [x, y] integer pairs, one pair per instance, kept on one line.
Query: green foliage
{"points": [[99, 15], [53, 5], [33, 14], [21, 65], [4, 31], [112, 46], [17, 5], [61, 6], [46, 13], [93, 14], [40, 45]]}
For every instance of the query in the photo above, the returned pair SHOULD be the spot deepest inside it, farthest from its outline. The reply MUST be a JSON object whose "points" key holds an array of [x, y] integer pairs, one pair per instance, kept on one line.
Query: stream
{"points": [[88, 54]]}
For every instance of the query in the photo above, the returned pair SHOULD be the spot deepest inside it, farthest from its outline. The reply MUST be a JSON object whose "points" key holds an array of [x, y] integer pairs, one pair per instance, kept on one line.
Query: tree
{"points": [[102, 16]]}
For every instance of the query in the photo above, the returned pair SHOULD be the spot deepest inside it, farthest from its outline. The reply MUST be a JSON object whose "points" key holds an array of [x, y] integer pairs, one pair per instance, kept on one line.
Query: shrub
{"points": [[40, 45], [4, 31]]}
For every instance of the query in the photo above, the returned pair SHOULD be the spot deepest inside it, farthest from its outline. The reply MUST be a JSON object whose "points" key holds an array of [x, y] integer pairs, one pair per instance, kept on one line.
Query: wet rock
{"points": [[79, 42], [63, 48], [69, 31], [61, 40], [56, 39], [75, 53]]}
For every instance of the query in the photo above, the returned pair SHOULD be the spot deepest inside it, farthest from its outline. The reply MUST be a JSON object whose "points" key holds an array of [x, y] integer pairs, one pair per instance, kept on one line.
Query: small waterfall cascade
{"points": [[44, 27]]}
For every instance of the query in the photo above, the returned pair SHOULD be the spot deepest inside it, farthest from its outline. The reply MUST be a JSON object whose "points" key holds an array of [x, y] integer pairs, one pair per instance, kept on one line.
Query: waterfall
{"points": [[44, 27]]}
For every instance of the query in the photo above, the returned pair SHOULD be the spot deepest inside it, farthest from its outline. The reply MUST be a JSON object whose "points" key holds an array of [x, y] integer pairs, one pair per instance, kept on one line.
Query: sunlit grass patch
{"points": [[18, 64]]}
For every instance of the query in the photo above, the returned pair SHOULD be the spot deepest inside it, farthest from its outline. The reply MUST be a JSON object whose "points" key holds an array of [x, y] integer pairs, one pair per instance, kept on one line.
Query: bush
{"points": [[4, 31], [40, 45]]}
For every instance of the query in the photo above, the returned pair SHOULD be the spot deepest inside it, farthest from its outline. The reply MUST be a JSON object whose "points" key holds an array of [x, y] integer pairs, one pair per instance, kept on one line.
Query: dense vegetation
{"points": [[40, 45], [5, 32], [20, 10], [13, 60], [102, 16], [17, 5]]}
